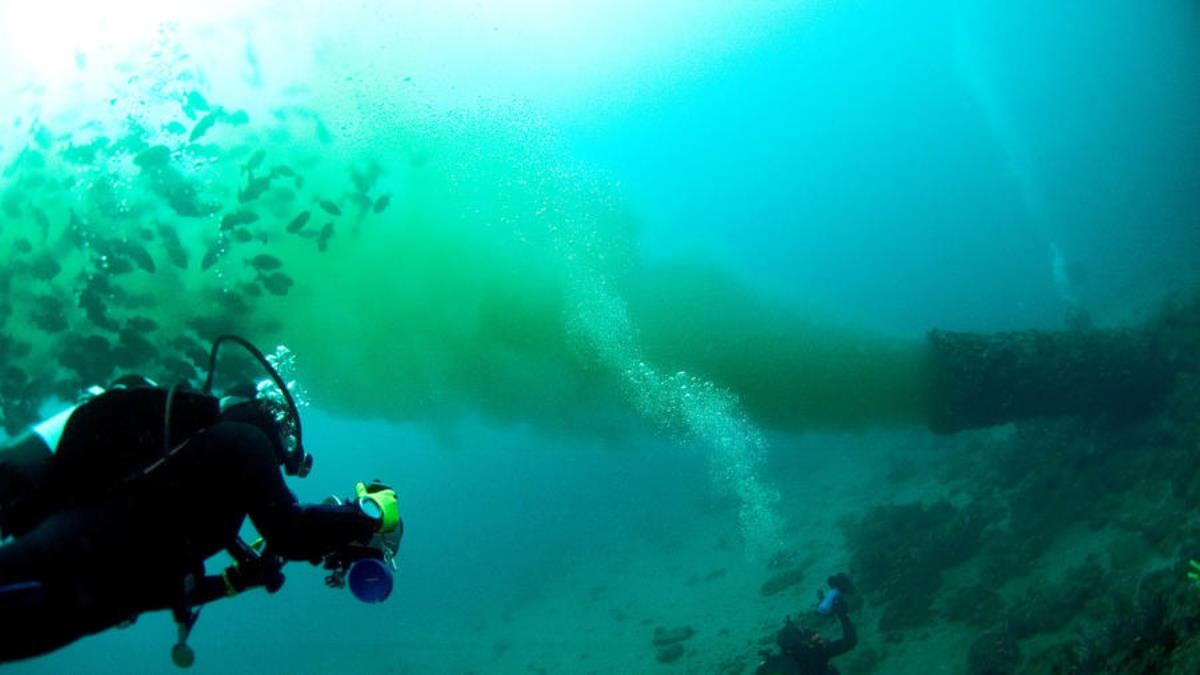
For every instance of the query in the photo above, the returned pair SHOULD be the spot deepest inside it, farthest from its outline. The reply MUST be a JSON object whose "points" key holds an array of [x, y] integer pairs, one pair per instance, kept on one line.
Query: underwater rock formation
{"points": [[783, 580], [900, 552], [1050, 606], [1154, 630], [667, 636], [1104, 502], [994, 653], [669, 653], [978, 606]]}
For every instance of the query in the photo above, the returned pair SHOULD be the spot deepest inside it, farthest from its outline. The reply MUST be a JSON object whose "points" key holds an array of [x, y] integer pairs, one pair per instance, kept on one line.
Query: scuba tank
{"points": [[84, 450], [25, 464]]}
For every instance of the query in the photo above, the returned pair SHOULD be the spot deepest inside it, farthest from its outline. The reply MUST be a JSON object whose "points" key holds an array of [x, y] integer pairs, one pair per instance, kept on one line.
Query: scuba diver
{"points": [[803, 651], [111, 508]]}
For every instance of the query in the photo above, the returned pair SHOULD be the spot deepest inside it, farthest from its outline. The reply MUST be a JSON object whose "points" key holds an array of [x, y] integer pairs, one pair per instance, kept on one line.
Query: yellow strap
{"points": [[230, 589]]}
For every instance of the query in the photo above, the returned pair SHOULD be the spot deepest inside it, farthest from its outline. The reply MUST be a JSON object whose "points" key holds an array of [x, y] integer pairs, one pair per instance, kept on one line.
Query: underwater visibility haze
{"points": [[639, 308]]}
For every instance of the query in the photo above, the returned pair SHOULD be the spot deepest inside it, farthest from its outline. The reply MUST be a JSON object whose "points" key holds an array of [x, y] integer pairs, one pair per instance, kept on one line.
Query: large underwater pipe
{"points": [[981, 380], [799, 373]]}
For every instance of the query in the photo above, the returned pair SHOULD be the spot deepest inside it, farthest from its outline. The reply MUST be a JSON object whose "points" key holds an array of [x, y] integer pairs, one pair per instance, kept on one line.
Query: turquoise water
{"points": [[611, 228]]}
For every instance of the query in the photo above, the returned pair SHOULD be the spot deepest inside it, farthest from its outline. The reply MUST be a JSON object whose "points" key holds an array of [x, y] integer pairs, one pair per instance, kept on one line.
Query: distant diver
{"points": [[803, 651], [114, 505]]}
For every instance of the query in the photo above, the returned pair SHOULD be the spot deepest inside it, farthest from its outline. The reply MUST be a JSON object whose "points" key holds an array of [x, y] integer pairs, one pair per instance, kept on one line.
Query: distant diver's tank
{"points": [[984, 379]]}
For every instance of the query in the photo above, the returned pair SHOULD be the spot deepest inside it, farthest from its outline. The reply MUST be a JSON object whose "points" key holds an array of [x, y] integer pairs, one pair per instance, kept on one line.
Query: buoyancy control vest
{"points": [[86, 451]]}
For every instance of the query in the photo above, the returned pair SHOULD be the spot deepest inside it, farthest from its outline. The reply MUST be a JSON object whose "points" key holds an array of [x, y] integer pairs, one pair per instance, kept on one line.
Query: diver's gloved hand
{"points": [[263, 571], [379, 501]]}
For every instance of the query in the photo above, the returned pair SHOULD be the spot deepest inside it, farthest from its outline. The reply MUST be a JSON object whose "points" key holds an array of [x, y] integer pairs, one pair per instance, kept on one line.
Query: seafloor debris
{"points": [[994, 653], [668, 642]]}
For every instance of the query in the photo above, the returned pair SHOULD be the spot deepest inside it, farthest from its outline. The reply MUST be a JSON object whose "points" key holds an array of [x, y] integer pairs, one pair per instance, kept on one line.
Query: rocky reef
{"points": [[1063, 542]]}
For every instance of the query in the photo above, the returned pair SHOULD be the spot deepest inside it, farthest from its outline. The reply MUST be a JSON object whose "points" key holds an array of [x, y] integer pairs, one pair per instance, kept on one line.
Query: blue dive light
{"points": [[370, 580]]}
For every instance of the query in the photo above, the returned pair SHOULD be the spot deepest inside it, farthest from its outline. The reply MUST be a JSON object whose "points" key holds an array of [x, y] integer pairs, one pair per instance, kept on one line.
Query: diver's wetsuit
{"points": [[129, 548], [806, 653]]}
